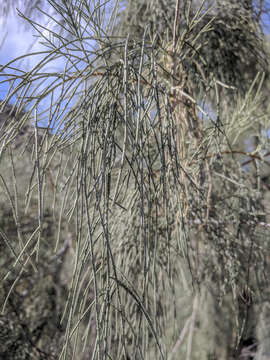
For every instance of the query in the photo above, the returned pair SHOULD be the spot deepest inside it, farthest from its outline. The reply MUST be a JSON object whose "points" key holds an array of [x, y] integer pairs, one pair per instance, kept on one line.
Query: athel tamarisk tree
{"points": [[134, 217]]}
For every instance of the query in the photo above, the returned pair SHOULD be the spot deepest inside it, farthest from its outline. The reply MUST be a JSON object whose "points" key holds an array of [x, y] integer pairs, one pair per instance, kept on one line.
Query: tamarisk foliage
{"points": [[135, 223]]}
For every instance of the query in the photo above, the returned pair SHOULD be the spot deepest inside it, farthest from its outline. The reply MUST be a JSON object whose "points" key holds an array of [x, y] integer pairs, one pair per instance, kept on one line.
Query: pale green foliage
{"points": [[138, 216]]}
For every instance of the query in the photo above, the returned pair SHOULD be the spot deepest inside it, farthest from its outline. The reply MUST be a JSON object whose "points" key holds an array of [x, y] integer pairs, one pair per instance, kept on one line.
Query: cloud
{"points": [[18, 40], [21, 40]]}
